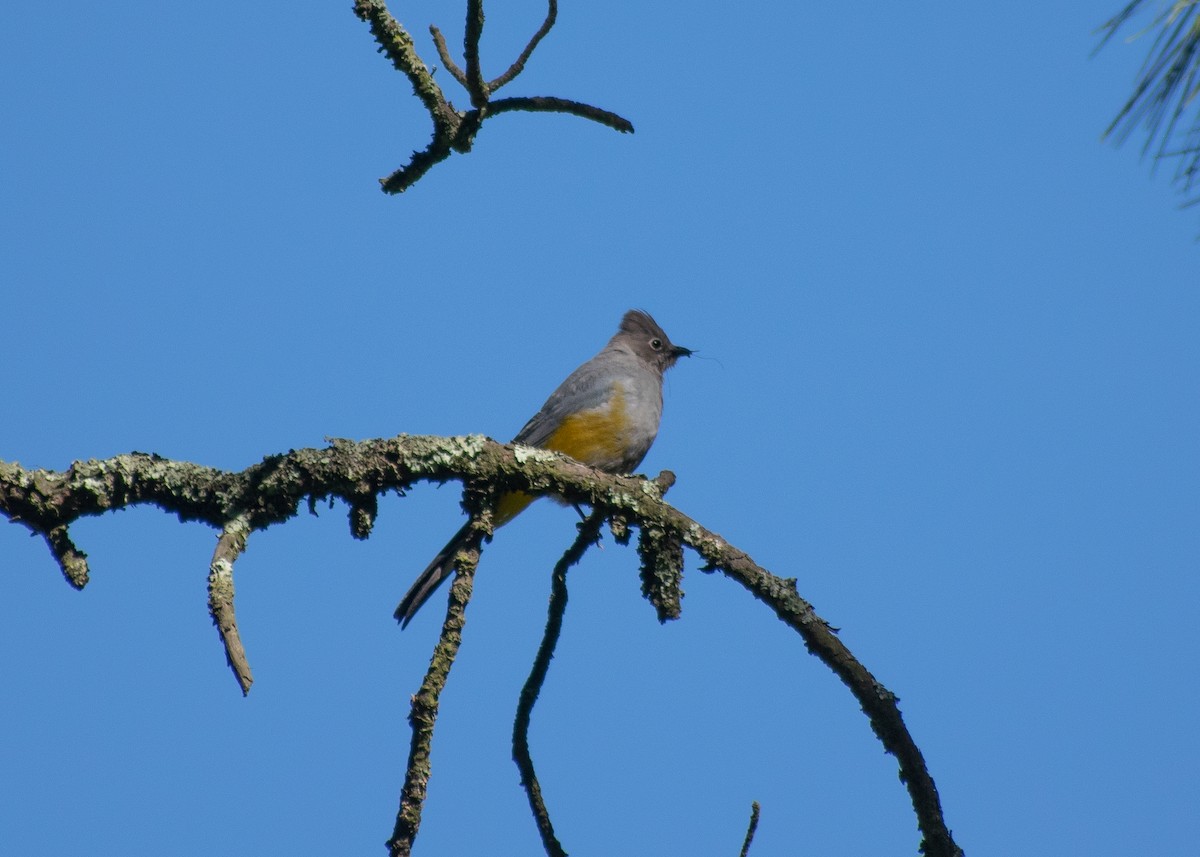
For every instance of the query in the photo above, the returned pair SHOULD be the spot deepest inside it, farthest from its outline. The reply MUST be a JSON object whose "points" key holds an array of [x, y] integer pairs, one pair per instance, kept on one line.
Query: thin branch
{"points": [[439, 42], [425, 703], [877, 702], [230, 546], [589, 531], [754, 809], [519, 65], [549, 104]]}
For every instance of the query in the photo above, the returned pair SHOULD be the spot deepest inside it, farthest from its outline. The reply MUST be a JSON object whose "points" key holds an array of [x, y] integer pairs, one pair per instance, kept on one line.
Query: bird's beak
{"points": [[678, 351]]}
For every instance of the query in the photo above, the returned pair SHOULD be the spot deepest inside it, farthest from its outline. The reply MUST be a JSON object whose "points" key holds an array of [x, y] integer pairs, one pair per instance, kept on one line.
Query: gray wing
{"points": [[587, 387]]}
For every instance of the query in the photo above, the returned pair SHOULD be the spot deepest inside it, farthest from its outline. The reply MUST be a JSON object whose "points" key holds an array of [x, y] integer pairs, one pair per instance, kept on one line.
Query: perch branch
{"points": [[271, 492]]}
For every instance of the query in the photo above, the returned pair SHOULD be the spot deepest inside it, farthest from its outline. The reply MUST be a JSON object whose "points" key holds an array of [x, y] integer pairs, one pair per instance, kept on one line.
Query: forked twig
{"points": [[454, 131]]}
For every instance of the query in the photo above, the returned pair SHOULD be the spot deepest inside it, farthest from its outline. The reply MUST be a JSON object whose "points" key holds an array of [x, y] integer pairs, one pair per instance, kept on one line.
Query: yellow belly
{"points": [[595, 437]]}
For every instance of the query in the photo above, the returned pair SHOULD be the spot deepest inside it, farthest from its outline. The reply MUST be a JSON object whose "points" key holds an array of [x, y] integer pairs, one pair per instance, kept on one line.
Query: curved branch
{"points": [[271, 492], [589, 531], [549, 104], [878, 703]]}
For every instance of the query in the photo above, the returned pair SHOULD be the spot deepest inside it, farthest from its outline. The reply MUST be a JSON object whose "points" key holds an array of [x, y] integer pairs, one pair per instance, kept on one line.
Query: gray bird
{"points": [[606, 415]]}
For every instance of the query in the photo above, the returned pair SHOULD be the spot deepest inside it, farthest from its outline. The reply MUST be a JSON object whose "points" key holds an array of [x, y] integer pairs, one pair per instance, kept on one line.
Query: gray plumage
{"points": [[625, 376]]}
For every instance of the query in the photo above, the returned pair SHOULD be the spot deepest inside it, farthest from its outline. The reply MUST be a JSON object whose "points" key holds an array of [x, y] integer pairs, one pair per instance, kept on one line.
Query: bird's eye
{"points": [[656, 344]]}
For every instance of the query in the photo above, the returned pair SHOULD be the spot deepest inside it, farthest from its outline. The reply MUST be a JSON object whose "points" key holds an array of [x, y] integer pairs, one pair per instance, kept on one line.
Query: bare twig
{"points": [[754, 808], [589, 530], [518, 65], [220, 597]]}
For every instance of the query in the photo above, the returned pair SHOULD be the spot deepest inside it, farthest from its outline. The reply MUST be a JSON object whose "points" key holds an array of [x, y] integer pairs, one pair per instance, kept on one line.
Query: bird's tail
{"points": [[507, 507], [431, 578]]}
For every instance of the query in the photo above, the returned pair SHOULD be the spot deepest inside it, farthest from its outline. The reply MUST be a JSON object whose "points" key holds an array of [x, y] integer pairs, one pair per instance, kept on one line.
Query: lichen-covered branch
{"points": [[220, 597], [661, 554], [423, 714], [395, 42], [71, 560], [48, 502]]}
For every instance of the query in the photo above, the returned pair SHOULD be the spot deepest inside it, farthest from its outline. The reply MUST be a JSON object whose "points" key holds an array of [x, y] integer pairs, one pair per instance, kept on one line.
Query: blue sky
{"points": [[947, 379]]}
